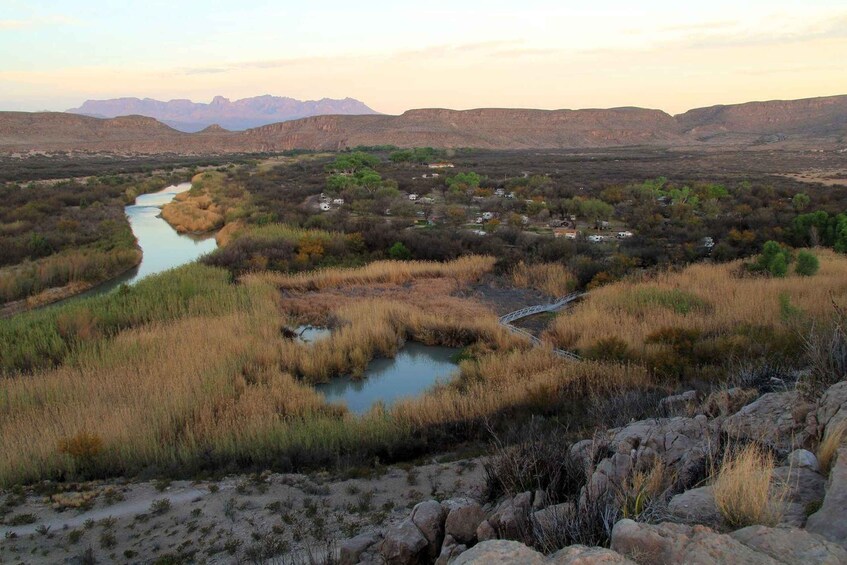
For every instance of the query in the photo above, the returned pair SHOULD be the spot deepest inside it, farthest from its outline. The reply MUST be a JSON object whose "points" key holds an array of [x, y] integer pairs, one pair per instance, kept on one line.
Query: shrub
{"points": [[610, 348], [773, 260], [83, 447], [160, 506], [826, 353], [743, 490], [532, 458], [807, 264], [645, 493], [399, 252]]}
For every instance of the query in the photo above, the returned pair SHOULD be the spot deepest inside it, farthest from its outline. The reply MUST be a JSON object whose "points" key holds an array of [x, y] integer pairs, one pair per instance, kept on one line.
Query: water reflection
{"points": [[415, 369]]}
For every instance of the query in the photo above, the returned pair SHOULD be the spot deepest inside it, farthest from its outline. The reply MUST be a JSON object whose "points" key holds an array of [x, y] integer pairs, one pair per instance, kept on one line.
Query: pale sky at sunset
{"points": [[395, 55]]}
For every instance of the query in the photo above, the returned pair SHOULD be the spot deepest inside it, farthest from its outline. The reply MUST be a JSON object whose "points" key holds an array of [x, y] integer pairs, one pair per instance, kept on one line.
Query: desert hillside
{"points": [[813, 123]]}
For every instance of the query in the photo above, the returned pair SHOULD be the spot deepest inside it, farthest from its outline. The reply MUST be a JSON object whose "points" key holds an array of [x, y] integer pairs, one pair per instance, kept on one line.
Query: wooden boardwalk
{"points": [[507, 319]]}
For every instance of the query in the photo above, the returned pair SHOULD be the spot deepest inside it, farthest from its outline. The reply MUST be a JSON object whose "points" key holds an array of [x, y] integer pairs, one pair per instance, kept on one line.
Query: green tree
{"points": [[595, 210], [774, 259], [800, 201], [464, 181], [807, 264], [399, 252]]}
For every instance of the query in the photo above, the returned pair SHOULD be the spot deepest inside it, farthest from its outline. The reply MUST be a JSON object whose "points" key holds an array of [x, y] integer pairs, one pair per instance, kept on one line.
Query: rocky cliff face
{"points": [[816, 122]]}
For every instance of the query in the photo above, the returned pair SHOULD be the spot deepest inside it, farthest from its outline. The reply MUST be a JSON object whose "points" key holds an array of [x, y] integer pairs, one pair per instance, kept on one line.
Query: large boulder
{"points": [[404, 544], [791, 545], [547, 522], [696, 506], [782, 421], [803, 487], [450, 550], [727, 402], [830, 520], [832, 407], [683, 444], [351, 550], [511, 518], [671, 544], [463, 518], [429, 518], [584, 555], [683, 404], [499, 551], [803, 459]]}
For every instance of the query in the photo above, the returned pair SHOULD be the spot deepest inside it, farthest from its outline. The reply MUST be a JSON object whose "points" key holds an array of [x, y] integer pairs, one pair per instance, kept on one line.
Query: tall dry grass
{"points": [[552, 279], [744, 488], [395, 272], [829, 446], [213, 388], [712, 299]]}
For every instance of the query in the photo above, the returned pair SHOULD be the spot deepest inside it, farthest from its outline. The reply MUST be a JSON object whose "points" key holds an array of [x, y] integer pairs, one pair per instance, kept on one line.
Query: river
{"points": [[162, 247]]}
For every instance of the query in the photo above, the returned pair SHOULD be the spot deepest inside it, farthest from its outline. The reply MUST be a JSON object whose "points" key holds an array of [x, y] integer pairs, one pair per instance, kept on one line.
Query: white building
{"points": [[596, 238], [624, 234], [413, 196], [338, 201], [488, 215], [324, 206]]}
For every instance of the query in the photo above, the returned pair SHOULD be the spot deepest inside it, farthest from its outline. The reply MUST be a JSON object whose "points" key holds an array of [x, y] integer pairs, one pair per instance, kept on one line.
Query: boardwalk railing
{"points": [[539, 308], [537, 342], [507, 319]]}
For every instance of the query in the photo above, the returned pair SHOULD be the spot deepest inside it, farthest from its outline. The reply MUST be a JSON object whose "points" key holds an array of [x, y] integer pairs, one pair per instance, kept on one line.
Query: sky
{"points": [[394, 56]]}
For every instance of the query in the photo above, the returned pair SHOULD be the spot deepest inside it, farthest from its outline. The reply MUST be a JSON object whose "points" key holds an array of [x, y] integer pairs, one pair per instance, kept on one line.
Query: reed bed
{"points": [[87, 265], [43, 338], [552, 279], [208, 382], [715, 300], [464, 269]]}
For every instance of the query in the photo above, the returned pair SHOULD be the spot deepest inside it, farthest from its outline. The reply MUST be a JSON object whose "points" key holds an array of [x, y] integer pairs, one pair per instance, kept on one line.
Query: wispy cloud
{"points": [[40, 21]]}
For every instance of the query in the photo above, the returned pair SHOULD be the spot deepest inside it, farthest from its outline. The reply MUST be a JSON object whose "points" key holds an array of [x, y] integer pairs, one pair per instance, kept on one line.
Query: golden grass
{"points": [[829, 446], [643, 487], [744, 491], [709, 298], [552, 279], [463, 269], [206, 390]]}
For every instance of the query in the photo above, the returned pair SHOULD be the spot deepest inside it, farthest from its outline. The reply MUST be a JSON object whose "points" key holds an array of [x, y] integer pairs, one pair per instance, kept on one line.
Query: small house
{"points": [[324, 206], [499, 192], [413, 196], [596, 238], [440, 165], [488, 215], [567, 233], [338, 201], [624, 234]]}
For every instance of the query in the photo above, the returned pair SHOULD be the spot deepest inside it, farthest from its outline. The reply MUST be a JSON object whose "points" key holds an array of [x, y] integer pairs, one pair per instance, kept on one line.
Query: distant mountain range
{"points": [[807, 123], [188, 116]]}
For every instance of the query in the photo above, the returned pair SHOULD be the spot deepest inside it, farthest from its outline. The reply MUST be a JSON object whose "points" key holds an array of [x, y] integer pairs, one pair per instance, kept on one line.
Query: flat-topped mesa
{"points": [[801, 124]]}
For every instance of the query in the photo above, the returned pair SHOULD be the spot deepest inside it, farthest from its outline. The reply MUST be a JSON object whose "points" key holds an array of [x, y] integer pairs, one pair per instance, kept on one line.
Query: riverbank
{"points": [[54, 295]]}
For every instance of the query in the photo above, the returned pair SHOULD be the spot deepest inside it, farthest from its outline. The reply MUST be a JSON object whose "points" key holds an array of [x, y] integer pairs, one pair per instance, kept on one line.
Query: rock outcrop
{"points": [[831, 520], [461, 530]]}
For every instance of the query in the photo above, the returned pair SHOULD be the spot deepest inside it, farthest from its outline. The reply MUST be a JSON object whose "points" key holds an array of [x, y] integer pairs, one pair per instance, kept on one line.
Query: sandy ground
{"points": [[281, 518], [826, 177]]}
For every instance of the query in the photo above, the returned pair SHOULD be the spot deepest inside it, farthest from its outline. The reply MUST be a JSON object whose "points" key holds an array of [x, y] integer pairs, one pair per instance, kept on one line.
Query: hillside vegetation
{"points": [[215, 385]]}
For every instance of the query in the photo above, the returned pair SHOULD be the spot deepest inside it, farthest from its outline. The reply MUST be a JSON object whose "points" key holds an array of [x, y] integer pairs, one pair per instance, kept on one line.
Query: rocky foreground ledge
{"points": [[812, 525]]}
